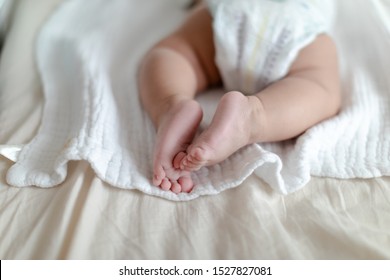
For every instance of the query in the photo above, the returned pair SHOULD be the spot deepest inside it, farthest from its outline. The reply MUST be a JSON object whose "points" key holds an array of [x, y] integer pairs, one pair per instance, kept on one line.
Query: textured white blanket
{"points": [[87, 55]]}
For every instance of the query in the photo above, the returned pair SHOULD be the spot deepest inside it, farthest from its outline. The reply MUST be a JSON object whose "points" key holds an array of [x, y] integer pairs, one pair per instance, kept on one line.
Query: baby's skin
{"points": [[182, 64]]}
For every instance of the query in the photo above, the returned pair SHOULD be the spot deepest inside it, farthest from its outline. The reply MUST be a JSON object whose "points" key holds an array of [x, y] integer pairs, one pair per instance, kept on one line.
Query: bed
{"points": [[85, 217]]}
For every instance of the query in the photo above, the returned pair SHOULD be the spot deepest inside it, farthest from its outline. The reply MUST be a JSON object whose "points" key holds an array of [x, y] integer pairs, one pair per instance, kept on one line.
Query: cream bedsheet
{"points": [[85, 218]]}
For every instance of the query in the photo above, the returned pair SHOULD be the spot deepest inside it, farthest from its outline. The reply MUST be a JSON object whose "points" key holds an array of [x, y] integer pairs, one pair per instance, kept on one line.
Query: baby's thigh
{"points": [[194, 40], [318, 62]]}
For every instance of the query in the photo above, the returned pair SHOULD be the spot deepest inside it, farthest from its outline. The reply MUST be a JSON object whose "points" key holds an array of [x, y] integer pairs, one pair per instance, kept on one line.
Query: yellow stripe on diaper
{"points": [[249, 73]]}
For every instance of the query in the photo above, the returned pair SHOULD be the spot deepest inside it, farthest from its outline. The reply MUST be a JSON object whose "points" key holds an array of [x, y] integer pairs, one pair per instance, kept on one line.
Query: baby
{"points": [[274, 96]]}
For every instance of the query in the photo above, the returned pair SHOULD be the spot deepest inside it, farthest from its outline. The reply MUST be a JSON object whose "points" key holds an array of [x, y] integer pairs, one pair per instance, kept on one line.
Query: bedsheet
{"points": [[85, 218]]}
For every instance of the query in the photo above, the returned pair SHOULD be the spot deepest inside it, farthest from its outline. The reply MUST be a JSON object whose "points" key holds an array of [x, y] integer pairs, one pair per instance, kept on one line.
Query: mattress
{"points": [[86, 218]]}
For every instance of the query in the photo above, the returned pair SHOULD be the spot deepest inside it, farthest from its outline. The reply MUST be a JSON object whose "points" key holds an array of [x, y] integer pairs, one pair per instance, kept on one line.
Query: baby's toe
{"points": [[186, 184], [159, 175], [178, 159], [166, 184], [176, 187]]}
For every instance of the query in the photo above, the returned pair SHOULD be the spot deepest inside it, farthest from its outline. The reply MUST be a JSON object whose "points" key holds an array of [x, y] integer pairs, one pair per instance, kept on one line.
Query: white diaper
{"points": [[257, 40]]}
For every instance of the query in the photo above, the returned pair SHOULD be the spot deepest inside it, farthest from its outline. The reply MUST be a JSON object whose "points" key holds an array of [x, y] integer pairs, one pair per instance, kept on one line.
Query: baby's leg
{"points": [[309, 94], [169, 77]]}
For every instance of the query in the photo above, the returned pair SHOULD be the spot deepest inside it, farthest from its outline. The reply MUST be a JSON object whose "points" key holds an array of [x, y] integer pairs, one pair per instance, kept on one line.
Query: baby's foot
{"points": [[231, 128], [175, 132]]}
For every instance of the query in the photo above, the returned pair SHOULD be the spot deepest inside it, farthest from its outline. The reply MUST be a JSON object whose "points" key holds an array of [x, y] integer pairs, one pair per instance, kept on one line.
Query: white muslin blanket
{"points": [[87, 55]]}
